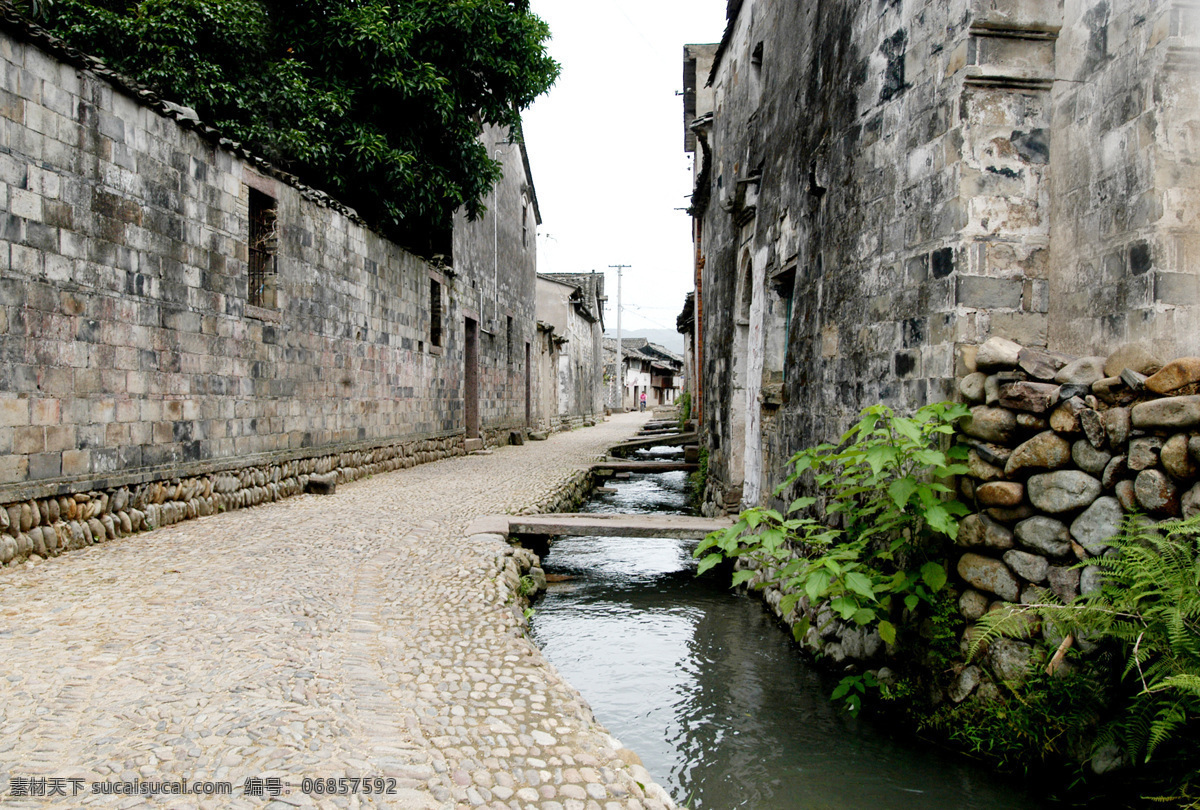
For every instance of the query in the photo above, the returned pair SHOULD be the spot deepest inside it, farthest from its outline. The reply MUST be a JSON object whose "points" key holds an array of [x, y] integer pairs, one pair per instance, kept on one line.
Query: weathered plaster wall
{"points": [[546, 374], [894, 182], [1126, 203], [568, 303], [495, 259], [129, 350], [834, 185]]}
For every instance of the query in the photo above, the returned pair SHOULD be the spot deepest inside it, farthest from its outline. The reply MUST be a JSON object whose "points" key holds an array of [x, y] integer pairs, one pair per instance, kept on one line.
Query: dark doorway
{"points": [[528, 388], [471, 379]]}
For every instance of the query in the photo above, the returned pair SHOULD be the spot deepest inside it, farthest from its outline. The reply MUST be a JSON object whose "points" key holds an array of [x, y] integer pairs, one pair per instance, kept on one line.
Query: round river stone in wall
{"points": [[990, 424], [1027, 566], [997, 353], [1045, 534], [971, 386], [1031, 397], [989, 575], [982, 531], [1064, 581], [1010, 514], [1179, 413], [1000, 493], [1190, 502], [1063, 490], [1012, 661], [1156, 492], [1143, 452], [1097, 524], [1175, 458], [1065, 418], [1088, 458], [972, 605], [1113, 472], [1045, 451], [981, 469], [1126, 495], [1174, 375], [1132, 356], [1084, 371], [1117, 425]]}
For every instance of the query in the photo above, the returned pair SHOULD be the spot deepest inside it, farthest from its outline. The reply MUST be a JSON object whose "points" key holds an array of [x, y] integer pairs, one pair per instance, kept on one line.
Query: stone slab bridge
{"points": [[605, 525]]}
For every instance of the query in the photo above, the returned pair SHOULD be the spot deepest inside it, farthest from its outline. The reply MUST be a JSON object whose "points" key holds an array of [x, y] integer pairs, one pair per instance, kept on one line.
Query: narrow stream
{"points": [[712, 692]]}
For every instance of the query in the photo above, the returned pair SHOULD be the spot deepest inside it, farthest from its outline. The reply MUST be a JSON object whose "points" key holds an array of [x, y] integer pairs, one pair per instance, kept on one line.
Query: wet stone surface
{"points": [[353, 635]]}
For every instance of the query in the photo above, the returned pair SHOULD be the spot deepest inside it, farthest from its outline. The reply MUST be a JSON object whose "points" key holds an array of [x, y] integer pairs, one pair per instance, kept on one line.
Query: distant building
{"points": [[646, 368], [570, 363]]}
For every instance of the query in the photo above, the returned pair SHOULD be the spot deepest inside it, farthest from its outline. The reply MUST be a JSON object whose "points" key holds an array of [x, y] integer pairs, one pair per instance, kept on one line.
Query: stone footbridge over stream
{"points": [[363, 634]]}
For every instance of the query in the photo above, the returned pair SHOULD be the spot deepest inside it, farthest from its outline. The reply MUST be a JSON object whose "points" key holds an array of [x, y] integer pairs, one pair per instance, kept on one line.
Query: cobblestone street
{"points": [[353, 635]]}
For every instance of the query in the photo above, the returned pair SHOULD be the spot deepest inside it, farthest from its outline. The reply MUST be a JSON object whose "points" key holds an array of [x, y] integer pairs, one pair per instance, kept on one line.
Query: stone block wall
{"points": [[1125, 207], [894, 183], [1062, 448], [133, 351]]}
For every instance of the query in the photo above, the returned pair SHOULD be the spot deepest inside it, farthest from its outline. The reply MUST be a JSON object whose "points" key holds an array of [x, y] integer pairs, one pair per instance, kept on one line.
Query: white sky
{"points": [[606, 149]]}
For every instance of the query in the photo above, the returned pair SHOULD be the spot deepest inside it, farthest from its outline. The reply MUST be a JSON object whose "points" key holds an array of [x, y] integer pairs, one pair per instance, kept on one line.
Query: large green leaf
{"points": [[860, 584], [934, 575], [887, 632], [743, 576]]}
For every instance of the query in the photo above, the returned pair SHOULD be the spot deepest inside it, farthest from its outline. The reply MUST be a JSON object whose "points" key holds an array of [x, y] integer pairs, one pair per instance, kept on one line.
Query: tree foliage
{"points": [[378, 102]]}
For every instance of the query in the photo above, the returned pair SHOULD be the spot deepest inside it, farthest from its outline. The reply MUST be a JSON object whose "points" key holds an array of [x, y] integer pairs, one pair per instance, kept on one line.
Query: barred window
{"points": [[264, 244], [435, 313]]}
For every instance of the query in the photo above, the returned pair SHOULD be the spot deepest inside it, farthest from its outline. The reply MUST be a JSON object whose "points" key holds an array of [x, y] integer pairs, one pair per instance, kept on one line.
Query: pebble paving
{"points": [[355, 635]]}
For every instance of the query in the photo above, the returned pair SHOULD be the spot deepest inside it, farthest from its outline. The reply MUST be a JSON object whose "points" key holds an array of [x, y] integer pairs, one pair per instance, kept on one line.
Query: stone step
{"points": [[623, 466]]}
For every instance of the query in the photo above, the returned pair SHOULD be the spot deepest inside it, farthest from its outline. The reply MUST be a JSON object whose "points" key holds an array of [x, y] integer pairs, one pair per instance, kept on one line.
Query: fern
{"points": [[1149, 606]]}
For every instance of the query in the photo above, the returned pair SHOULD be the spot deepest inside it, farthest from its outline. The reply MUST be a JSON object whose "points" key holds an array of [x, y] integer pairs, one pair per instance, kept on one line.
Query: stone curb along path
{"points": [[363, 634]]}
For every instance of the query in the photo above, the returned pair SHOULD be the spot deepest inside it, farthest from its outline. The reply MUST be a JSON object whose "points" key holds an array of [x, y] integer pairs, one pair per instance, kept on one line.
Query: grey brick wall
{"points": [[128, 348]]}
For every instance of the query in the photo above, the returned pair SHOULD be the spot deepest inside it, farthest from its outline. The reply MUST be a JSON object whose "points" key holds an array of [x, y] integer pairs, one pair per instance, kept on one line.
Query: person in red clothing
{"points": [[643, 400]]}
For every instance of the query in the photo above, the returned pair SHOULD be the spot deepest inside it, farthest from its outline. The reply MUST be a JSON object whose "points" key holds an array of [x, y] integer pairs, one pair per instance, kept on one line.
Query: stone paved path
{"points": [[357, 635]]}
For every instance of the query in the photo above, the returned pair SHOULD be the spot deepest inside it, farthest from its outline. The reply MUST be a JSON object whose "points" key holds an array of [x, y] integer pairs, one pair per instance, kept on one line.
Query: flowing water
{"points": [[713, 694]]}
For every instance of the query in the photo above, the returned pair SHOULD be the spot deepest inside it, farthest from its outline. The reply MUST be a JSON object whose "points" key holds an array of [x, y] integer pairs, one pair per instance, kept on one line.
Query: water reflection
{"points": [[712, 693]]}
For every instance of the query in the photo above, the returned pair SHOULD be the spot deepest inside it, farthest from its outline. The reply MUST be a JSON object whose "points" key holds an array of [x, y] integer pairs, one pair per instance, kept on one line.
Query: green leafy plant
{"points": [[378, 102], [853, 688], [684, 403], [876, 552], [527, 586], [1149, 610], [1039, 721], [698, 479]]}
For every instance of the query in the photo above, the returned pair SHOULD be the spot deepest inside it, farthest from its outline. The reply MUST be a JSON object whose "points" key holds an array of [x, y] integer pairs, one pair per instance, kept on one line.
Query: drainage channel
{"points": [[712, 693]]}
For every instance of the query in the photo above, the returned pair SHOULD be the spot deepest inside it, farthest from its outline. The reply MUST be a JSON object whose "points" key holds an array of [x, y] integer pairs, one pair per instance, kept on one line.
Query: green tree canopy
{"points": [[378, 102]]}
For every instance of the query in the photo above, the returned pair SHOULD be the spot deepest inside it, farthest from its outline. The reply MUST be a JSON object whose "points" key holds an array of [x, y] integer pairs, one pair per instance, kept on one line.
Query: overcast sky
{"points": [[606, 149]]}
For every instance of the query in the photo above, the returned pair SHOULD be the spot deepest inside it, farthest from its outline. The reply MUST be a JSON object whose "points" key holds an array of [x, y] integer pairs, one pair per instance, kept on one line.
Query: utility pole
{"points": [[620, 371]]}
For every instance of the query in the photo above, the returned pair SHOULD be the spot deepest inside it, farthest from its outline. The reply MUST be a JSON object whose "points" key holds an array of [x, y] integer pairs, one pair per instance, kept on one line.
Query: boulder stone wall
{"points": [[42, 527], [1061, 449]]}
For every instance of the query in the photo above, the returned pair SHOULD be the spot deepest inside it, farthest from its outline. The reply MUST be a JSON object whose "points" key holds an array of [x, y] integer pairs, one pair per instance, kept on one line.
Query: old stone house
{"points": [[570, 310], [184, 328], [883, 186]]}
